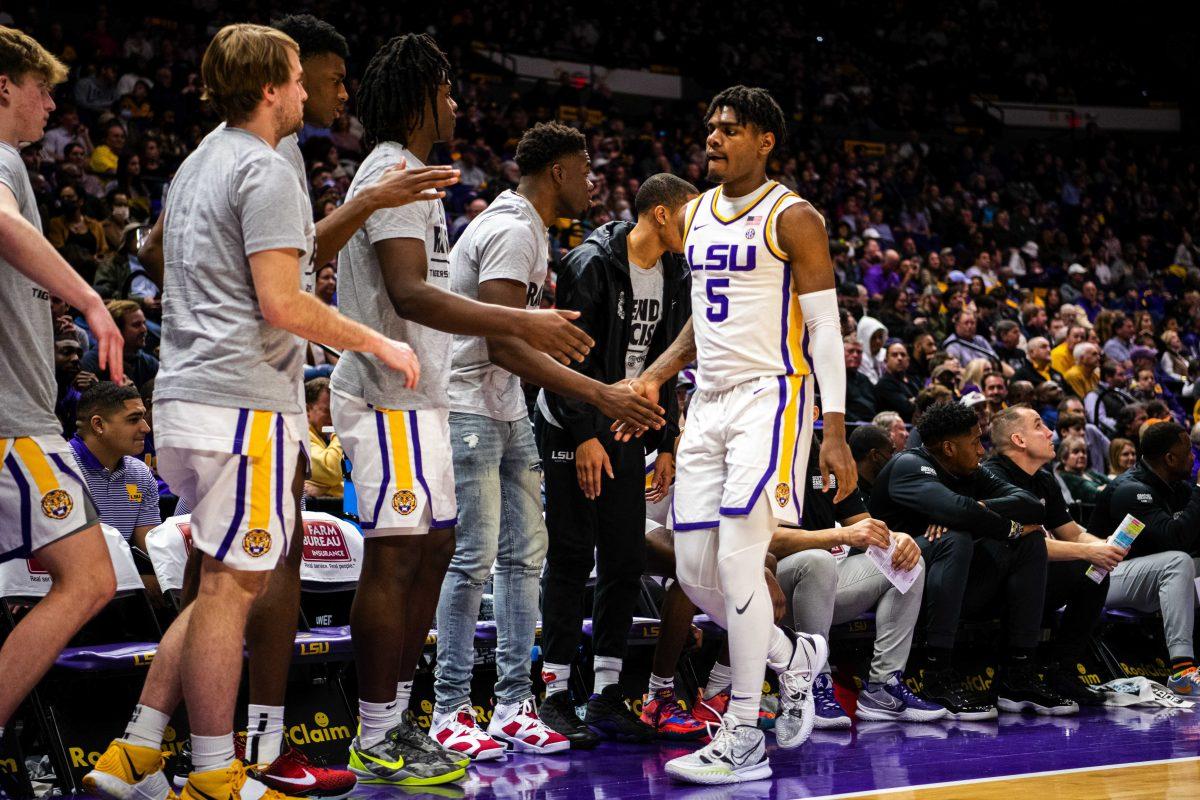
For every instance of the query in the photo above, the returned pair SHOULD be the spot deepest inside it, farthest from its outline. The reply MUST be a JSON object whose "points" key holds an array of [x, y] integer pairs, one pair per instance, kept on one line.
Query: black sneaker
{"points": [[1066, 684], [13, 785], [1020, 689], [948, 689], [558, 712], [608, 715]]}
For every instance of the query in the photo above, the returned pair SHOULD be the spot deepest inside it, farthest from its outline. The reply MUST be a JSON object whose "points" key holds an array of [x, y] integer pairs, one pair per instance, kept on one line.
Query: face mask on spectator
{"points": [[121, 214]]}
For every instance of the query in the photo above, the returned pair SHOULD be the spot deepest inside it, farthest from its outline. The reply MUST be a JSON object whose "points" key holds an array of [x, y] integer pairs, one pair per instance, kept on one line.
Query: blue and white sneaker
{"points": [[830, 714], [893, 701]]}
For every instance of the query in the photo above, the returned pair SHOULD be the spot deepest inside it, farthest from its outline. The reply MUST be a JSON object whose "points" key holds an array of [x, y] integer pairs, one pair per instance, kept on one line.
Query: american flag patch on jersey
{"points": [[753, 220]]}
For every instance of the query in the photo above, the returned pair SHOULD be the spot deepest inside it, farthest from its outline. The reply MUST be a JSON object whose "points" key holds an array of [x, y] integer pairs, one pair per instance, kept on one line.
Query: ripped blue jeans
{"points": [[498, 483]]}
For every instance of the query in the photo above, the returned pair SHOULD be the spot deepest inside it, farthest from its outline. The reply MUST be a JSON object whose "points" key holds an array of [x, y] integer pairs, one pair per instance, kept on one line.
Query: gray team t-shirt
{"points": [[362, 295], [647, 311], [289, 148], [506, 242], [233, 197], [27, 331]]}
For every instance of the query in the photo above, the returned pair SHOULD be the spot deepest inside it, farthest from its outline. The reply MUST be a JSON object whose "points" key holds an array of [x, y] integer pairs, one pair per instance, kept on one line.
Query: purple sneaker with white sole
{"points": [[830, 714], [894, 701]]}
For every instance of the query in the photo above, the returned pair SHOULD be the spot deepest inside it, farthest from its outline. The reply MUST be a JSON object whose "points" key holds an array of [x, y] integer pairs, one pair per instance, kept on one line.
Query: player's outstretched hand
{"points": [[400, 357], [401, 185], [623, 402], [110, 344], [836, 461], [552, 332], [625, 431]]}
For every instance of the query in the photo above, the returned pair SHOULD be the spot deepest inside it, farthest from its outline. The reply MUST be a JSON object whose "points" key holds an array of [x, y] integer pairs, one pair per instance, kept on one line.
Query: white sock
{"points": [[264, 733], [403, 696], [212, 752], [375, 720], [780, 650], [146, 727], [657, 683], [719, 680], [556, 677], [607, 671]]}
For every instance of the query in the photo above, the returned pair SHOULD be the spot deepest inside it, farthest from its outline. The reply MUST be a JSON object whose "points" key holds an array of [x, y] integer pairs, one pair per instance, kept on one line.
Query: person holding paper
{"points": [[825, 584], [1024, 446], [974, 541], [1159, 572]]}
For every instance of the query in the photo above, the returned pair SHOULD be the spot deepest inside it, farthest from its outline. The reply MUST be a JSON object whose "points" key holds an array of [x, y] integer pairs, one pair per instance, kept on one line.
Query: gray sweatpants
{"points": [[1160, 582], [823, 591]]}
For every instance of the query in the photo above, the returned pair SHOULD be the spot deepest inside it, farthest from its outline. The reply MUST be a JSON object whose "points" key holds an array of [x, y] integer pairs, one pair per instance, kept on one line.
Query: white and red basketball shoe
{"points": [[525, 732], [457, 731]]}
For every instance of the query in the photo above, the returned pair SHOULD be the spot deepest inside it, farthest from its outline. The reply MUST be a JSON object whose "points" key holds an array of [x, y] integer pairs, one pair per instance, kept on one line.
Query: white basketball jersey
{"points": [[745, 312]]}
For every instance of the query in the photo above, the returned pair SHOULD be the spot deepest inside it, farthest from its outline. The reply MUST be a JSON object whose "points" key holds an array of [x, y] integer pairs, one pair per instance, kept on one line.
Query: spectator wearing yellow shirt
{"points": [[1062, 356], [1083, 377], [324, 455], [107, 156]]}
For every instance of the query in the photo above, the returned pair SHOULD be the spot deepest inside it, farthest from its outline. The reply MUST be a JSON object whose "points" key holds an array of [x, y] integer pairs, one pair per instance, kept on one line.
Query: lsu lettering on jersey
{"points": [[745, 314], [749, 426]]}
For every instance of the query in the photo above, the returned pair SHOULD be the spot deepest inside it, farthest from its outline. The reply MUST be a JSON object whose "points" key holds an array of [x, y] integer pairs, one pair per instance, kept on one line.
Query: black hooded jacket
{"points": [[594, 280]]}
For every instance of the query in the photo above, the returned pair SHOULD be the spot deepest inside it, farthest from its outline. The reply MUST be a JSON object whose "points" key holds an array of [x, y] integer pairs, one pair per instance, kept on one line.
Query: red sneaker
{"points": [[662, 712], [294, 775], [710, 710]]}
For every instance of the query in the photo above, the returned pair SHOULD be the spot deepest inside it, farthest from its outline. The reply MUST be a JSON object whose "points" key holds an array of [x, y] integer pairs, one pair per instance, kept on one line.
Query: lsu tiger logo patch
{"points": [[256, 543], [57, 504], [783, 494], [404, 502]]}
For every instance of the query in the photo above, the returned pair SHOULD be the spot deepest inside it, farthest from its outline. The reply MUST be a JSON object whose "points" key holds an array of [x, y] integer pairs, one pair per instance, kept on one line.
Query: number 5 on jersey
{"points": [[718, 304]]}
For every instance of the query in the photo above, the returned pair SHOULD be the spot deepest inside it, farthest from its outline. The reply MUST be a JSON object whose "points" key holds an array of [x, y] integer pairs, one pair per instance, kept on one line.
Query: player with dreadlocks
{"points": [[394, 276]]}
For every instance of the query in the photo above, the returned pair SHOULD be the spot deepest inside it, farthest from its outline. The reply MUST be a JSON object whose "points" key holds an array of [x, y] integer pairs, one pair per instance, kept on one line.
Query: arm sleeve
{"points": [[579, 289], [911, 487], [825, 343], [1164, 530]]}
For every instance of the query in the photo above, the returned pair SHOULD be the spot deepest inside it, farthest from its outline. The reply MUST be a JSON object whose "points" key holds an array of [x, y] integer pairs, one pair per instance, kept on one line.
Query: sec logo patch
{"points": [[57, 504], [783, 494], [256, 543], [404, 502]]}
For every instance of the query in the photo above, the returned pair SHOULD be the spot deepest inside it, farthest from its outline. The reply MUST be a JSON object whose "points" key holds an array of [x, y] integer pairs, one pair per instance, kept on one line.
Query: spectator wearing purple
{"points": [[879, 277]]}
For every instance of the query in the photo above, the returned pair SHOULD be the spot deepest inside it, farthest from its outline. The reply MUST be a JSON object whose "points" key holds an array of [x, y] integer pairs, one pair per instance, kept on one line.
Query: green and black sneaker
{"points": [[410, 733], [396, 763]]}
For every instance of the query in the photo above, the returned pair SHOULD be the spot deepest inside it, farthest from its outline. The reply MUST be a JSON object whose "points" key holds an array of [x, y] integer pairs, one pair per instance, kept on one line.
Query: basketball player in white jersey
{"points": [[764, 321]]}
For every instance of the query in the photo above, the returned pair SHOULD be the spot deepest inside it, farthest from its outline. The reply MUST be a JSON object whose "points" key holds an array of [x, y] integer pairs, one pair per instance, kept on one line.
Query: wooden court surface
{"points": [[1174, 780]]}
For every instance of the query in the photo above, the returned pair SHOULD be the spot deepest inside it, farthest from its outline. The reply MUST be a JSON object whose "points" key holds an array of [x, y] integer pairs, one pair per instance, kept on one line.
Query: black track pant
{"points": [[609, 532]]}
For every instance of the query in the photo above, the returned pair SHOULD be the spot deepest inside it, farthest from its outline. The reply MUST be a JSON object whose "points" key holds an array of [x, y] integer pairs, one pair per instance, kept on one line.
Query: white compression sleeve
{"points": [[820, 311]]}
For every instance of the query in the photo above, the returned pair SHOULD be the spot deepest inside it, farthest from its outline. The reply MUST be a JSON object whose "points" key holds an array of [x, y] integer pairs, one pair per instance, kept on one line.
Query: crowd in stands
{"points": [[1055, 273], [1051, 286]]}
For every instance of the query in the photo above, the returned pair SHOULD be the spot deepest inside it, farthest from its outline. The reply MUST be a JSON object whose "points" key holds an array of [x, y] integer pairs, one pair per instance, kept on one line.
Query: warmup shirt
{"points": [[913, 492], [1170, 511]]}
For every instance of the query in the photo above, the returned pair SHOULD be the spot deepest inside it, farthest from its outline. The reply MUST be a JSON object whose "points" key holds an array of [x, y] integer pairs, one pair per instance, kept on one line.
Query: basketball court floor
{"points": [[1102, 753]]}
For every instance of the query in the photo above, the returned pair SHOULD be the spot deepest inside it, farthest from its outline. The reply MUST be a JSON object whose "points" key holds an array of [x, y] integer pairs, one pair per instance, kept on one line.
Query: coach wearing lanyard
{"points": [[630, 285]]}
